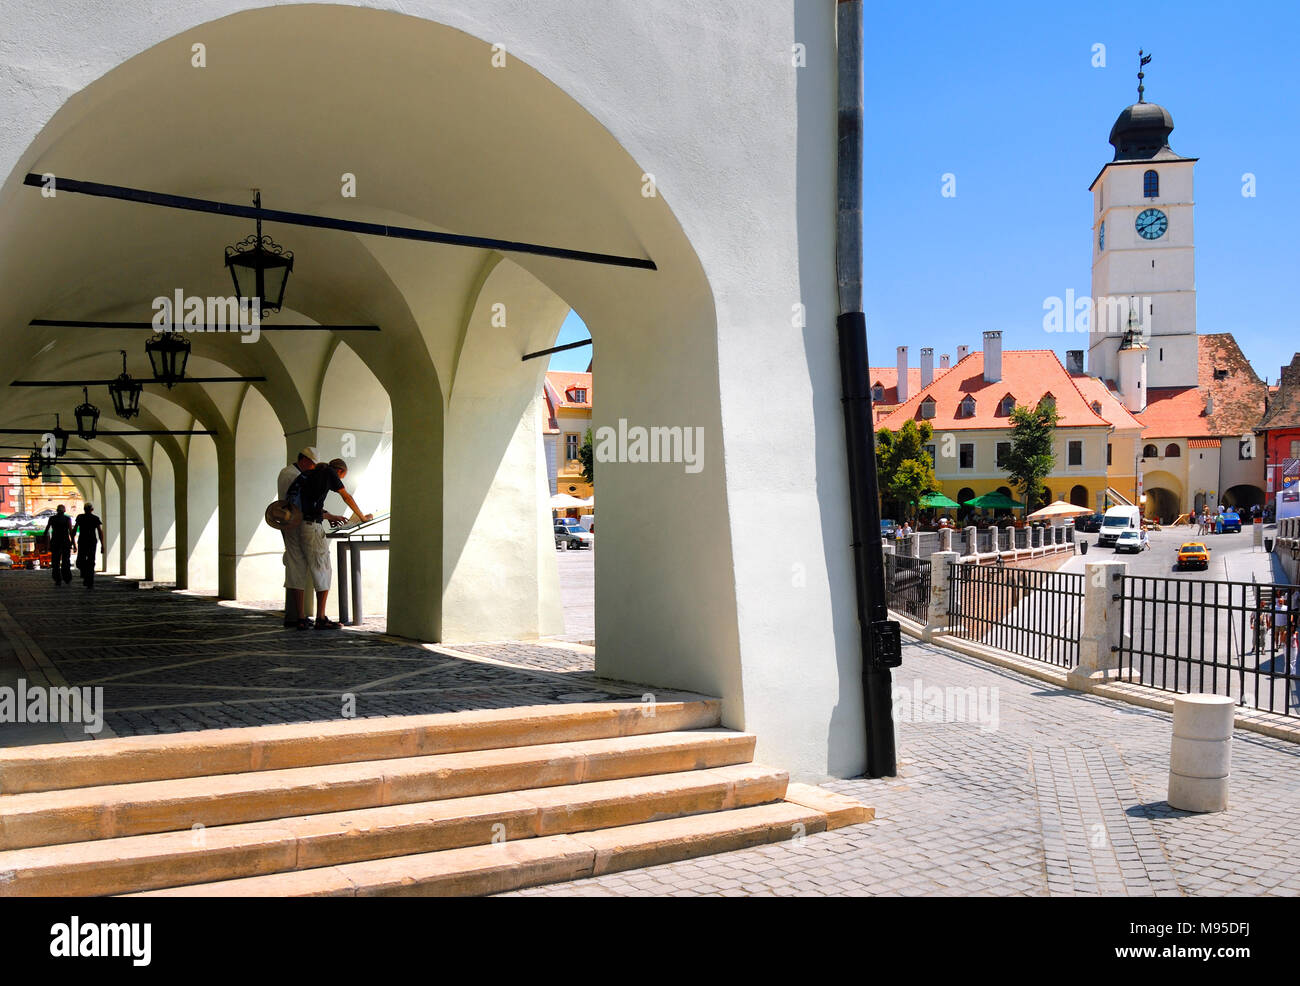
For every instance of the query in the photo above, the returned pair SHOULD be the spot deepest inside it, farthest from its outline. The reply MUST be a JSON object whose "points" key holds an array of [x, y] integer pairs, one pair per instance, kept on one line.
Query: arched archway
{"points": [[1243, 496], [1079, 495]]}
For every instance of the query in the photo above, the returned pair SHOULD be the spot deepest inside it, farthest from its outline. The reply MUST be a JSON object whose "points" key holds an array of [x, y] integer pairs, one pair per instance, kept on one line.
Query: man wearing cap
{"points": [[288, 485], [314, 487]]}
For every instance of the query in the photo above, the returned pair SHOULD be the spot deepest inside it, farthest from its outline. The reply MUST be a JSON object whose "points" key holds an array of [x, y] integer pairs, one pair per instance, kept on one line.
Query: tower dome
{"points": [[1142, 131]]}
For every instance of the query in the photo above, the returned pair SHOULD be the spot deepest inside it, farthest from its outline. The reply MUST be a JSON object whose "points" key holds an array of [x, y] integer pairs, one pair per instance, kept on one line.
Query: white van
{"points": [[1116, 521]]}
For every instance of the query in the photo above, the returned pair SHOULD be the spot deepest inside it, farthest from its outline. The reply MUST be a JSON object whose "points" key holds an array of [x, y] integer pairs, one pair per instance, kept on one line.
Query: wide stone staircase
{"points": [[463, 803]]}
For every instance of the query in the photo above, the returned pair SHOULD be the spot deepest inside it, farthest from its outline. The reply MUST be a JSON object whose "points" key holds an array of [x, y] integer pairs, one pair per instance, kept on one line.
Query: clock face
{"points": [[1101, 236], [1151, 224]]}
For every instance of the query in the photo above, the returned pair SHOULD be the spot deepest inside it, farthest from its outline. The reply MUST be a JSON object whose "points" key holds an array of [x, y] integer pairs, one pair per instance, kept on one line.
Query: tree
{"points": [[1031, 459], [588, 460], [903, 465]]}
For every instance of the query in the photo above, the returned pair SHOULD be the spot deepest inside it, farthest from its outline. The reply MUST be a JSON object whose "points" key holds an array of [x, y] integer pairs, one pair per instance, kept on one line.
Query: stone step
{"points": [[232, 852], [126, 760], [51, 818], [511, 865]]}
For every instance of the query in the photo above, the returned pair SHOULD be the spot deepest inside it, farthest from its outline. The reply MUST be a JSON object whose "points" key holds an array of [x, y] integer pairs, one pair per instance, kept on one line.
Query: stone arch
{"points": [[1079, 495], [250, 547]]}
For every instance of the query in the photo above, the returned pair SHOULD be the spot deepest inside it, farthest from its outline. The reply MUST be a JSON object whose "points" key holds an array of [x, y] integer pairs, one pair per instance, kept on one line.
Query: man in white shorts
{"points": [[314, 556], [295, 575]]}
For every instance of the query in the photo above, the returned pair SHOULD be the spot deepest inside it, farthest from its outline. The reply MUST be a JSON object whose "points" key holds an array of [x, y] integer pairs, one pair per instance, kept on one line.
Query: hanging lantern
{"points": [[34, 465], [125, 393], [87, 416], [60, 440], [260, 268], [168, 352]]}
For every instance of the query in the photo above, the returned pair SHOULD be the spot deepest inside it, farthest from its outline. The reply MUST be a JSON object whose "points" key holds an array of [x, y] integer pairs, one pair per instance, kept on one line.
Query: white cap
{"points": [[310, 453]]}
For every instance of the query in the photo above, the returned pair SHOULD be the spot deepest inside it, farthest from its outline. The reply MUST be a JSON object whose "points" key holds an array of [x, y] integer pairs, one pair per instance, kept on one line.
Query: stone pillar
{"points": [[1098, 661], [936, 618], [887, 547], [945, 539], [916, 544], [1201, 753], [1035, 537], [970, 540]]}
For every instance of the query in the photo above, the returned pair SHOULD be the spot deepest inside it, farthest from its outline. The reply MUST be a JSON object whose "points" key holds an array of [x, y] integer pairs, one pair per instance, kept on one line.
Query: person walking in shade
{"points": [[288, 488], [88, 528], [59, 531]]}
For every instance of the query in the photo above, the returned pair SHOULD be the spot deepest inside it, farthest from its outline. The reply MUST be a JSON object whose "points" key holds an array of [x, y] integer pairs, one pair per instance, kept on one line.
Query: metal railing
{"points": [[907, 586], [1227, 638], [1032, 612]]}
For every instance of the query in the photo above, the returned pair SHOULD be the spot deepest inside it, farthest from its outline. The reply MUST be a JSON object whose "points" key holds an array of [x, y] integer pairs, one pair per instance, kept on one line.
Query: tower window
{"points": [[1151, 185], [877, 393]]}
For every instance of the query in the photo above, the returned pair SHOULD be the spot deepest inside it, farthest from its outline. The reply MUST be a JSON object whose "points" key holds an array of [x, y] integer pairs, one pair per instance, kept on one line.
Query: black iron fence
{"points": [[1032, 612], [907, 585], [1228, 638]]}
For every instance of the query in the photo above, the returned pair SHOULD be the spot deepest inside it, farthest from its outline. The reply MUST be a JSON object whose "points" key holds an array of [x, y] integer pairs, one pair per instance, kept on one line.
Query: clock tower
{"points": [[1143, 271]]}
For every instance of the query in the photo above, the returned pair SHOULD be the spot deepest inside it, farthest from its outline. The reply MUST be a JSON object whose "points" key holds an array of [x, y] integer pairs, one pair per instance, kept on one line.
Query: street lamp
{"points": [[260, 267], [125, 393], [87, 417], [60, 439], [35, 464], [168, 353]]}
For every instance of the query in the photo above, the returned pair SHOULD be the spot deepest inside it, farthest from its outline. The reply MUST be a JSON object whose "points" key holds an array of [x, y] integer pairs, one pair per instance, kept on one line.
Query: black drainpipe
{"points": [[880, 642]]}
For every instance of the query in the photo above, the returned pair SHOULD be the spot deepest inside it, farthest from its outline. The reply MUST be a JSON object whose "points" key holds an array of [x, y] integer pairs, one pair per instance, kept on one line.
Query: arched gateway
{"points": [[525, 123]]}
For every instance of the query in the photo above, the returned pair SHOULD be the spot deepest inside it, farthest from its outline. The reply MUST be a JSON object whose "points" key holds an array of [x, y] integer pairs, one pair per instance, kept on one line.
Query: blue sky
{"points": [[1004, 96]]}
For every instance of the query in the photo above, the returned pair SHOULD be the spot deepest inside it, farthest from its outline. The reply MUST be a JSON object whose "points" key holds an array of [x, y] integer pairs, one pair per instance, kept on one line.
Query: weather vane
{"points": [[1143, 58]]}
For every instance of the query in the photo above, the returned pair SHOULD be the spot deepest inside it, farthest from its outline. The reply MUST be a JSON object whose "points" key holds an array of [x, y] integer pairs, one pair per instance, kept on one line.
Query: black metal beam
{"points": [[28, 448], [101, 431], [555, 349], [94, 323], [326, 222], [145, 380]]}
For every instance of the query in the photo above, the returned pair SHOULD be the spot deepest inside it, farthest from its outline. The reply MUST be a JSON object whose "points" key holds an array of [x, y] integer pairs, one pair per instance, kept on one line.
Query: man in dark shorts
{"points": [[59, 531], [88, 528], [314, 564]]}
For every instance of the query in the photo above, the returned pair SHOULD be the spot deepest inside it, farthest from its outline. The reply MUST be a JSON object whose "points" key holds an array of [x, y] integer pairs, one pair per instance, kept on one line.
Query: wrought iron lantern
{"points": [[87, 417], [60, 436], [168, 353], [35, 465], [260, 267], [125, 393]]}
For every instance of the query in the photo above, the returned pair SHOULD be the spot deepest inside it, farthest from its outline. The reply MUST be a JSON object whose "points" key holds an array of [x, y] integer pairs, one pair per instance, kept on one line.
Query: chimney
{"points": [[1074, 361], [945, 361], [927, 367], [1209, 405], [962, 352], [992, 356], [902, 374]]}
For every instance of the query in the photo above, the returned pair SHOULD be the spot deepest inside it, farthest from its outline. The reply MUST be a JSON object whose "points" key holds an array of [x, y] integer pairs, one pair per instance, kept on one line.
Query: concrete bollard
{"points": [[970, 541], [940, 589], [945, 539], [1201, 753]]}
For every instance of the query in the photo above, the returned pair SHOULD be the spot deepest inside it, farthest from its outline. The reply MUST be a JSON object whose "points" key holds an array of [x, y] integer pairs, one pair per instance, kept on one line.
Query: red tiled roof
{"points": [[1239, 397], [1112, 408], [1027, 375], [887, 378], [1284, 404], [1174, 412], [1204, 443], [560, 383]]}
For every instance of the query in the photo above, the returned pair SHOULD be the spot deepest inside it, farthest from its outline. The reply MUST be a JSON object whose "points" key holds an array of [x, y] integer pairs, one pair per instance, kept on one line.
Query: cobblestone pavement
{"points": [[1049, 793], [170, 661]]}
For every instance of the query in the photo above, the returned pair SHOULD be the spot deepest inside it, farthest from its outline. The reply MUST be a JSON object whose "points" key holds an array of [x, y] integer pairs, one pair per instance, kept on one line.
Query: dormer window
{"points": [[577, 395], [1151, 185], [967, 407], [1048, 403], [927, 408], [877, 393], [1096, 408], [1220, 374], [1006, 406]]}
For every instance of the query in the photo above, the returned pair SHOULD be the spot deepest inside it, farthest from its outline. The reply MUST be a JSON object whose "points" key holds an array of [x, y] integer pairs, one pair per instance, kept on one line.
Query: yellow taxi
{"points": [[1193, 554]]}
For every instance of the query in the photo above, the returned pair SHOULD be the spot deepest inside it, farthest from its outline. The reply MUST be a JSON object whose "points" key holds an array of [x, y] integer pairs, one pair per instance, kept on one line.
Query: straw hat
{"points": [[282, 516]]}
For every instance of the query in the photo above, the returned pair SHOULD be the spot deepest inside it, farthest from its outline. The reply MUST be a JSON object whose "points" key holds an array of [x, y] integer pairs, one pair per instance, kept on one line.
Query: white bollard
{"points": [[1201, 753]]}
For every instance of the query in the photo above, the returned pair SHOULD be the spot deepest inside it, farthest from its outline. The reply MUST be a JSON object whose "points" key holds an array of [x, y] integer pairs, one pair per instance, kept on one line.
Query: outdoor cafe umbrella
{"points": [[562, 501], [1059, 510], [937, 500], [994, 501]]}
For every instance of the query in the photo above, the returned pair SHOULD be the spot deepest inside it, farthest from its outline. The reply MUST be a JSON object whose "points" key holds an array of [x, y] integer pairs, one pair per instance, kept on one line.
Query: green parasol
{"points": [[994, 501], [937, 500]]}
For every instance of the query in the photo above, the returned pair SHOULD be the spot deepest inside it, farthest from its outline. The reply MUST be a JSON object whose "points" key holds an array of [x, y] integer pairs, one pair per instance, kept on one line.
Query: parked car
{"points": [[1089, 524], [567, 522], [572, 538], [1231, 522], [5, 560], [1193, 554], [887, 528], [1134, 541]]}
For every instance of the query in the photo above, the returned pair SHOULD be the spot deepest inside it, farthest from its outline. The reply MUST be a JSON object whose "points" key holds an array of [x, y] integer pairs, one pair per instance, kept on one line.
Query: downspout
{"points": [[880, 644]]}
